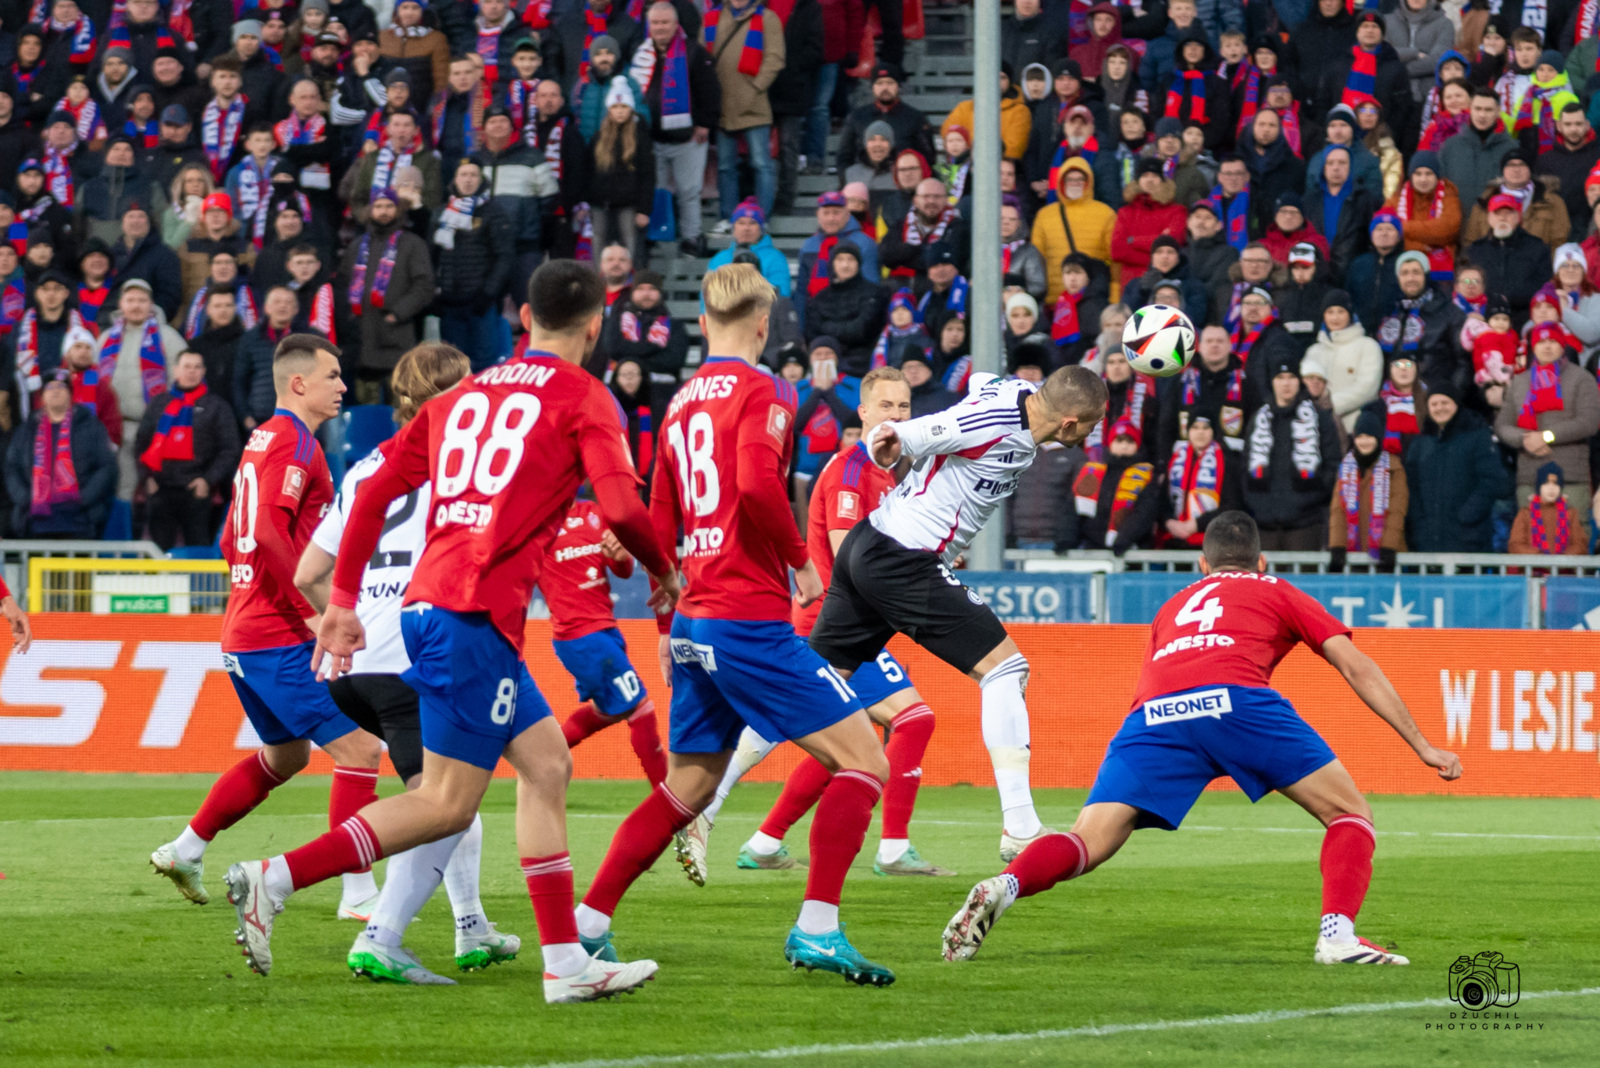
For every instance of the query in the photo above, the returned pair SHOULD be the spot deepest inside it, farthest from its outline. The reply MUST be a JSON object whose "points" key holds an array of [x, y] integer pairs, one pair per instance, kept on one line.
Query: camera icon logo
{"points": [[1485, 981]]}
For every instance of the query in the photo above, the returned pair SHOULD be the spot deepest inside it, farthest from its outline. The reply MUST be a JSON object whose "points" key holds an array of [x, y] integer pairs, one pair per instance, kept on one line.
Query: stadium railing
{"points": [[116, 585], [16, 557], [1316, 563]]}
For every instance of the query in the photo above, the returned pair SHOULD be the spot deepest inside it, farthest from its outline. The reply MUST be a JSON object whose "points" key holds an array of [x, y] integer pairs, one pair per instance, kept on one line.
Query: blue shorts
{"points": [[282, 697], [474, 692], [598, 663], [878, 680], [1169, 749], [729, 674]]}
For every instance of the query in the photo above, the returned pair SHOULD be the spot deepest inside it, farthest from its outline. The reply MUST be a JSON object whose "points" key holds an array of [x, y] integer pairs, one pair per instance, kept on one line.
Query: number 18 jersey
{"points": [[1230, 628]]}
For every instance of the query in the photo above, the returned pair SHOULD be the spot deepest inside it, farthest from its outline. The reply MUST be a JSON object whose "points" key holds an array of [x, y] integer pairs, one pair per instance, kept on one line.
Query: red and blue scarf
{"points": [[90, 299], [1544, 393], [121, 37], [1191, 386], [754, 44], [55, 479], [195, 322], [488, 49], [1064, 326], [82, 33], [955, 298], [1543, 541], [152, 361], [1350, 497], [1193, 84], [1363, 79], [13, 303], [647, 66], [174, 436], [58, 175], [1400, 416], [27, 346], [297, 131], [1194, 483], [86, 388], [380, 277], [1235, 216], [470, 118], [219, 134], [1244, 338], [820, 276], [146, 136], [598, 24]]}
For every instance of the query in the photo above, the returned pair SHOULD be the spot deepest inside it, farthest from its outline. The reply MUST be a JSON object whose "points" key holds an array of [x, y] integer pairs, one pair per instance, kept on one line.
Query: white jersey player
{"points": [[891, 573], [375, 697]]}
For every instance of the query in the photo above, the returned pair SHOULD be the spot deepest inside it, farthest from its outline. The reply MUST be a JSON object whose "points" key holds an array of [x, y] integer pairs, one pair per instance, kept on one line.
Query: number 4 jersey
{"points": [[280, 493], [388, 574], [1230, 628]]}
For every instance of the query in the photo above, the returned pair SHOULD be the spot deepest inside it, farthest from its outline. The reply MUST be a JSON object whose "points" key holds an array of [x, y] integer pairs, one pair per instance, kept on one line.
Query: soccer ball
{"points": [[1158, 340]]}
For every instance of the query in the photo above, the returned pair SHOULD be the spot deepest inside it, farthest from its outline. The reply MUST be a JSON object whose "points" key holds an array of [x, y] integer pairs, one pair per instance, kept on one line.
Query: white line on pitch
{"points": [[1055, 1034]]}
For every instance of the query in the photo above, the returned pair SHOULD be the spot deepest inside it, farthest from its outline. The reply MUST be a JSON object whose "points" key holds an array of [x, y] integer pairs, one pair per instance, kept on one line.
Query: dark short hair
{"points": [[259, 126], [1485, 92], [1232, 540], [563, 295], [303, 249]]}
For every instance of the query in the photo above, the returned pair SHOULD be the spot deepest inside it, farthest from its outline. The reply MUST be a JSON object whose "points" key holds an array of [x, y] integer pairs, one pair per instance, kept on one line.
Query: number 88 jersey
{"points": [[280, 492], [1231, 628]]}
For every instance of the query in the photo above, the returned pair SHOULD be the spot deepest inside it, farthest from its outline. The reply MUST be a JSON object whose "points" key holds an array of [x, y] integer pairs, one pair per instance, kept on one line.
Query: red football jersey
{"points": [[574, 582], [506, 451], [725, 445], [1229, 629], [843, 493], [280, 493]]}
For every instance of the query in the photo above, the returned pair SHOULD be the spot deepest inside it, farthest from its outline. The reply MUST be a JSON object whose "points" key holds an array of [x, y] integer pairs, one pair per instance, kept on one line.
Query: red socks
{"points": [[911, 731], [353, 790], [646, 739], [347, 848], [636, 845], [838, 831], [584, 721], [801, 790], [1347, 865], [1055, 858], [240, 789], [550, 888]]}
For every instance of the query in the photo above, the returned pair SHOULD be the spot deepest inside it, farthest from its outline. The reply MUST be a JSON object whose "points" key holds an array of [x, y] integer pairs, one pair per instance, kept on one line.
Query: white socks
{"points": [[461, 881], [1005, 733], [591, 922], [818, 918], [189, 846], [563, 959], [752, 750], [276, 879], [412, 878], [764, 844], [892, 849], [1338, 928], [359, 886]]}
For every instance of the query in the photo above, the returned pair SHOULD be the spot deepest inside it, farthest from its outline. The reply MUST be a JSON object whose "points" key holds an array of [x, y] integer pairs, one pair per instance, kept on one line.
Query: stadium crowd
{"points": [[1382, 222]]}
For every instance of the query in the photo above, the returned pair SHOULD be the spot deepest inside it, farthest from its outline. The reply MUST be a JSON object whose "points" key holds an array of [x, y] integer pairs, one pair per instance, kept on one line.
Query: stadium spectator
{"points": [[1446, 111], [792, 92], [1021, 265], [1041, 513], [1472, 159], [1021, 317], [1273, 166], [1367, 515], [1370, 67], [1194, 92], [826, 407], [1551, 411], [943, 292], [1580, 302], [569, 43], [606, 72], [60, 469], [1402, 401], [81, 356], [852, 309], [1291, 463], [1513, 260], [1076, 222], [1420, 33], [185, 201], [680, 121], [402, 146], [1201, 480], [254, 395], [1260, 339], [1116, 167], [474, 252], [188, 446], [841, 21], [1207, 249], [911, 128], [533, 190], [1026, 36], [1130, 398], [1299, 301], [390, 282], [141, 350], [874, 166], [928, 394], [1119, 496], [641, 329], [746, 109], [1167, 264], [35, 348], [835, 226], [1549, 525], [1429, 209], [1104, 32], [932, 219], [1288, 227], [1118, 85], [1148, 212], [1424, 324], [622, 166], [1543, 213], [218, 232], [1189, 181], [1340, 210], [1353, 361], [457, 112], [1454, 476], [750, 235], [217, 340], [1016, 123], [222, 273], [1569, 162], [644, 406]]}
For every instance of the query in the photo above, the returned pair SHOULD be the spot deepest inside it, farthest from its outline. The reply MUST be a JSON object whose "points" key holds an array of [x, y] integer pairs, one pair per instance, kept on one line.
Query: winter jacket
{"points": [[1351, 237], [1394, 519], [792, 90], [1084, 225], [1372, 285], [1438, 353], [1137, 293], [1281, 499], [842, 22], [380, 342], [625, 184], [475, 270], [157, 264], [1419, 39], [1300, 307], [563, 42], [1216, 105], [1222, 292], [1454, 476], [1521, 540], [219, 347], [1328, 75], [1042, 511], [1209, 260], [1546, 217], [911, 130], [1142, 218], [254, 396], [931, 397], [1273, 171], [1316, 41], [216, 442], [1366, 170], [1573, 424], [1024, 41], [519, 178], [774, 264], [705, 93], [1136, 526], [1354, 363], [94, 462], [1584, 322], [852, 233], [1515, 267], [1471, 161], [744, 97], [1569, 168], [626, 336], [1016, 123], [1046, 132], [853, 312], [1028, 270], [360, 184], [589, 103], [1422, 233], [425, 58]]}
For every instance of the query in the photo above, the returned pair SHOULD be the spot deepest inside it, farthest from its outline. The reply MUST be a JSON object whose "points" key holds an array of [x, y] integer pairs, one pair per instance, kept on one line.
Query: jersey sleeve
{"points": [[602, 436], [405, 467], [1308, 620], [763, 440], [331, 529], [842, 506], [957, 429]]}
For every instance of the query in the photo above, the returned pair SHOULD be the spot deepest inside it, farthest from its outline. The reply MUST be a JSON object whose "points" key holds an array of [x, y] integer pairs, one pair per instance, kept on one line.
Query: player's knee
{"points": [[875, 764], [288, 760], [1012, 671]]}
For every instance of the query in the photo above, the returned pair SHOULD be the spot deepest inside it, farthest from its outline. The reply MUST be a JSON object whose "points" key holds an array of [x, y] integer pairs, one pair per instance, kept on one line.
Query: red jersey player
{"points": [[736, 659], [843, 493], [505, 451], [587, 641], [1202, 709], [280, 493]]}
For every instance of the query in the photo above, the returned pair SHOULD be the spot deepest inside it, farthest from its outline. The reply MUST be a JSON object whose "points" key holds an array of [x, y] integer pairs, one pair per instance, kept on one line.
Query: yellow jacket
{"points": [[1016, 124], [1090, 222]]}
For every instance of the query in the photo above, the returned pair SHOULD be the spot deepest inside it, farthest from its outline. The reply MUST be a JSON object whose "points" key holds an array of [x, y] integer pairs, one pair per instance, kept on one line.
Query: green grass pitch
{"points": [[1191, 948]]}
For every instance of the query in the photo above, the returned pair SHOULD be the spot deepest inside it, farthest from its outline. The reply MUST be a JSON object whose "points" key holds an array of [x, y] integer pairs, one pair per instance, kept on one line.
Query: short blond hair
{"points": [[734, 292], [880, 374], [423, 373]]}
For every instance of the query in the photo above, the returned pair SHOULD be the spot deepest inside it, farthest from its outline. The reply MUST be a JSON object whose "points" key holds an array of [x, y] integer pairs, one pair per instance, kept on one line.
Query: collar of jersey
{"points": [[725, 359], [287, 414], [539, 354]]}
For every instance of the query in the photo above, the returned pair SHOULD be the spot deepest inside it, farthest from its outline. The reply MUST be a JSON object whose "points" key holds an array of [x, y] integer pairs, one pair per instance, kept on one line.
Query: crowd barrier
{"points": [[114, 694]]}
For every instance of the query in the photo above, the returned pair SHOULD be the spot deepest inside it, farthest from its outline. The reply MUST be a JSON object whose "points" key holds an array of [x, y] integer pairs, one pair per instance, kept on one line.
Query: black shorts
{"points": [[881, 588], [385, 706]]}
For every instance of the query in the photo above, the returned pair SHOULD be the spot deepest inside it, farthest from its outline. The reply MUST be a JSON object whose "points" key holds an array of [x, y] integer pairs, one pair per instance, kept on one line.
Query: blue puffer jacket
{"points": [[774, 264], [589, 104]]}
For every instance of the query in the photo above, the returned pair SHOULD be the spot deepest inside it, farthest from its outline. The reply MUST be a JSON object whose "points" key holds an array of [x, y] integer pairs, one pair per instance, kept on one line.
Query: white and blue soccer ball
{"points": [[1158, 340]]}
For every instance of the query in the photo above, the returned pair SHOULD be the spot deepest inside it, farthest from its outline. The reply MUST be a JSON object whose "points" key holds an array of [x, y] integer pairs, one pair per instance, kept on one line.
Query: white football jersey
{"points": [[965, 462], [388, 573]]}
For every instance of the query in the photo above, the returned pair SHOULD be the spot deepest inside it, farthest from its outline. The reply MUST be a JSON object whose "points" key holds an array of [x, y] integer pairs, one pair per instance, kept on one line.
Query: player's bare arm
{"points": [[17, 620], [313, 577], [1369, 682]]}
